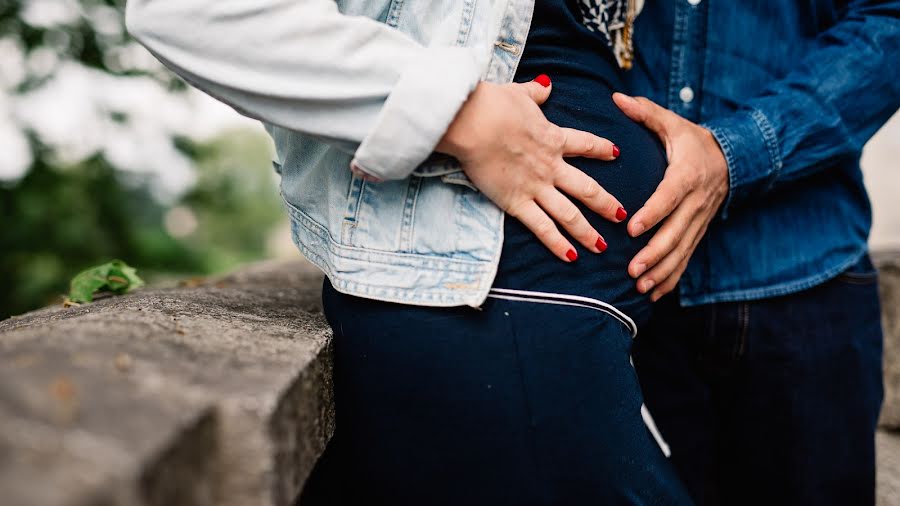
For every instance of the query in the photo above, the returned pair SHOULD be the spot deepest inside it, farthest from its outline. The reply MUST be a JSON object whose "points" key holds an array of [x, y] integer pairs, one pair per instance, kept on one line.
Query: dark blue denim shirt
{"points": [[792, 90]]}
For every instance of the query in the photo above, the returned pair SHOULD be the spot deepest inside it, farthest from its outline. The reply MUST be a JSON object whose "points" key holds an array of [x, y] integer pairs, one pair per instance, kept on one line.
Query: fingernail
{"points": [[543, 80], [648, 285], [621, 213], [572, 255], [601, 244], [638, 228], [639, 269], [616, 151]]}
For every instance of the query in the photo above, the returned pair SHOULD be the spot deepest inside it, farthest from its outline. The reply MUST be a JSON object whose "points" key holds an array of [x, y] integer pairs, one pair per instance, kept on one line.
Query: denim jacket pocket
{"points": [[437, 164], [447, 168], [862, 272]]}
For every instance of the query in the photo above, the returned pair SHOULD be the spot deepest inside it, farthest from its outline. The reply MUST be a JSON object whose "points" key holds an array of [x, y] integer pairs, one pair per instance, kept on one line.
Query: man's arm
{"points": [[835, 100], [305, 66], [826, 109]]}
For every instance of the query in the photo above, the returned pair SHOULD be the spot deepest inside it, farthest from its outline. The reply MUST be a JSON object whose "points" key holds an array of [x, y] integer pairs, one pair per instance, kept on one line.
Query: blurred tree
{"points": [[110, 170]]}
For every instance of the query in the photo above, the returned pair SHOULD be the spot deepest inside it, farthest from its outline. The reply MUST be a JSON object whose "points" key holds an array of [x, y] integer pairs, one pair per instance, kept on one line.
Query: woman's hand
{"points": [[514, 155]]}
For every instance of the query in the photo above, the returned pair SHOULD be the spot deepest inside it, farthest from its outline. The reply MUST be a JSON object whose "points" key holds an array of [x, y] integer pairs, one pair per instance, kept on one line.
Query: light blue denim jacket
{"points": [[372, 82]]}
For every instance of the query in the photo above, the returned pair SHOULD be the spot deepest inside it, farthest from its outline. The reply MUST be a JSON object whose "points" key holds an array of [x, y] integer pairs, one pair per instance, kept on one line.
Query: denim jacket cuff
{"points": [[750, 146], [418, 111]]}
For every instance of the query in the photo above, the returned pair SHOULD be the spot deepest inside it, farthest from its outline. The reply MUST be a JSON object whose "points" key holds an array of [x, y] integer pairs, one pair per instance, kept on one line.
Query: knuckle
{"points": [[591, 189], [570, 215], [555, 136], [702, 205], [543, 227], [672, 200]]}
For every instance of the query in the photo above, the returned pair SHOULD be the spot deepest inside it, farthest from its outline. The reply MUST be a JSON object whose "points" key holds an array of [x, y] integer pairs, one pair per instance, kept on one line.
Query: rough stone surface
{"points": [[889, 281], [213, 393]]}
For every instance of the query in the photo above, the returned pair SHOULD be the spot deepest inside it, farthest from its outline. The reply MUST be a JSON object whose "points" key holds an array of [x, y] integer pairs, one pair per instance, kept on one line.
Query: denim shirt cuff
{"points": [[418, 111], [750, 146]]}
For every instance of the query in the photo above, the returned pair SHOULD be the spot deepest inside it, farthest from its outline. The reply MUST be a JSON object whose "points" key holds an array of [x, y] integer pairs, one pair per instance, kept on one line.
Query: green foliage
{"points": [[57, 220], [116, 277], [61, 217]]}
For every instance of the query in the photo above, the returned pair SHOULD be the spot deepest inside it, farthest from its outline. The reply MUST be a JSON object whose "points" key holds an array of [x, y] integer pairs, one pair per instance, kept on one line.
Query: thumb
{"points": [[538, 89], [644, 111]]}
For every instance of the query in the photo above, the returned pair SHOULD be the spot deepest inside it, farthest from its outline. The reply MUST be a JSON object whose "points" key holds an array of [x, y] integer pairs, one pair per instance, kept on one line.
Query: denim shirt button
{"points": [[686, 94], [693, 2]]}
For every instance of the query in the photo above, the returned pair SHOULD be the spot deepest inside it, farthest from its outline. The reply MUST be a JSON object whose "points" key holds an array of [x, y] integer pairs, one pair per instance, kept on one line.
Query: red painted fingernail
{"points": [[572, 255], [621, 213], [601, 244], [543, 80], [616, 151]]}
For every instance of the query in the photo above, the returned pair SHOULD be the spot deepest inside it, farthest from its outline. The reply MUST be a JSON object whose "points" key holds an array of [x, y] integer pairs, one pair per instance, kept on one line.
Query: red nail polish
{"points": [[601, 244], [543, 80], [621, 214], [572, 255], [616, 151]]}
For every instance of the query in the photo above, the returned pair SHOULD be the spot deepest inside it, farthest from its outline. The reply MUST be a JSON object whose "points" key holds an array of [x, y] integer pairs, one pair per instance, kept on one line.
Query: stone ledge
{"points": [[212, 394]]}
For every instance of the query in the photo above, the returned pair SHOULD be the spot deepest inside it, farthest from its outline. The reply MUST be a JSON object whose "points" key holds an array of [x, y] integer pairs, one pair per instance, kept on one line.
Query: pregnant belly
{"points": [[586, 104]]}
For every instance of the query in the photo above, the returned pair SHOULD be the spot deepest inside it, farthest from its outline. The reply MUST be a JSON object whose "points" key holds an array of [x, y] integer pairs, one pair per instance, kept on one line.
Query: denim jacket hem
{"points": [[405, 278], [772, 290]]}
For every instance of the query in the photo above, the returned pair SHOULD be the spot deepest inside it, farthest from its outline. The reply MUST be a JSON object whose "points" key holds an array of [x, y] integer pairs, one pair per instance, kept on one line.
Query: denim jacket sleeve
{"points": [[826, 108], [356, 83]]}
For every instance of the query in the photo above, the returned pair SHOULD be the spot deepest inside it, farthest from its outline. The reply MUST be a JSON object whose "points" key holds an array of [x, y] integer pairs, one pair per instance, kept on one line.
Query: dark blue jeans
{"points": [[772, 401], [516, 404]]}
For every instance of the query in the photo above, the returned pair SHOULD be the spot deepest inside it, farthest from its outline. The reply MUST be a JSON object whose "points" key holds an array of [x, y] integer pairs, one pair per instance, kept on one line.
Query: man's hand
{"points": [[689, 196]]}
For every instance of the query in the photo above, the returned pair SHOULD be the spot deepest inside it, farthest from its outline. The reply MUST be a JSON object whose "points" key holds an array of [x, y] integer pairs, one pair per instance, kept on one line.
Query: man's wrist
{"points": [[750, 148], [717, 163]]}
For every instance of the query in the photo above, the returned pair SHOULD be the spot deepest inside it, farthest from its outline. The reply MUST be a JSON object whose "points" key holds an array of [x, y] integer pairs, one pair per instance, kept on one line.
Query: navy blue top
{"points": [[792, 89], [584, 72]]}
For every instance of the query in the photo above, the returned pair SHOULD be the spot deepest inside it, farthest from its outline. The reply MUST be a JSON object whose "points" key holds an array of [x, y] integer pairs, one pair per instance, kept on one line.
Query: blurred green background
{"points": [[107, 155]]}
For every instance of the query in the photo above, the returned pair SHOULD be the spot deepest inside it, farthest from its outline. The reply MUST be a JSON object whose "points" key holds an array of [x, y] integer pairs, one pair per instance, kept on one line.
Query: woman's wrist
{"points": [[462, 136]]}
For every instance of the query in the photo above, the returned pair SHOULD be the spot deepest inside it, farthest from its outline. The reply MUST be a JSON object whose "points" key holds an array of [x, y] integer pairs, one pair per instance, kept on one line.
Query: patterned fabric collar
{"points": [[614, 21]]}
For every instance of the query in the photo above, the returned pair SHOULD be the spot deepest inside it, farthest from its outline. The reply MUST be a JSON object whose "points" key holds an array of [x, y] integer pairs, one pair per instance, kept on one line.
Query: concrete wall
{"points": [[216, 393]]}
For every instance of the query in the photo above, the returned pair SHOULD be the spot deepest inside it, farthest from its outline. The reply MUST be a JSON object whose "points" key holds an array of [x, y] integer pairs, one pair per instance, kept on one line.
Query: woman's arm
{"points": [[307, 67], [365, 86]]}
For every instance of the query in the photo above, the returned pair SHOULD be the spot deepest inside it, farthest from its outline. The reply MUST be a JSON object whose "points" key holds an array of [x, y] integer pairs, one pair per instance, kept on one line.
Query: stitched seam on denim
{"points": [[774, 290], [676, 65], [354, 198], [393, 17], [466, 22], [731, 165], [771, 141], [413, 186]]}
